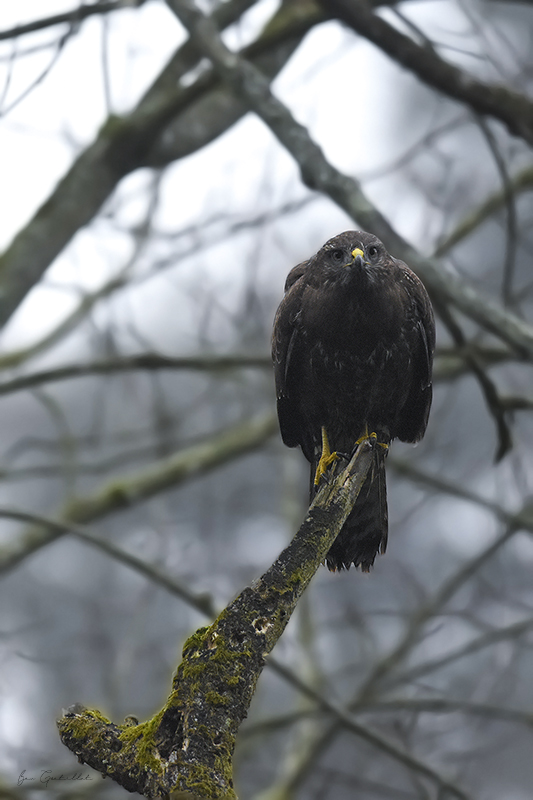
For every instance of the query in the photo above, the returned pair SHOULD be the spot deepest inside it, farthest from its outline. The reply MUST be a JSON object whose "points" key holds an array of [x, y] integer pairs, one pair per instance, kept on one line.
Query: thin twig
{"points": [[73, 17], [521, 182]]}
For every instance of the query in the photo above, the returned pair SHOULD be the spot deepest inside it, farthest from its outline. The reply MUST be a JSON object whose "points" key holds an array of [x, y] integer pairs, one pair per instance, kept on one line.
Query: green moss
{"points": [[145, 748], [291, 582], [118, 496], [216, 699], [191, 672], [194, 642], [93, 713], [296, 577], [82, 725], [224, 655], [201, 784], [214, 647]]}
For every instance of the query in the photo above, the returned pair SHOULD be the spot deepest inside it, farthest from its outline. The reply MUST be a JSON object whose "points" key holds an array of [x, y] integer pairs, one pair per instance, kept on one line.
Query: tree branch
{"points": [[73, 17], [204, 604], [143, 361], [447, 706], [368, 692], [521, 182], [188, 745], [487, 386], [449, 362], [513, 109], [14, 358], [127, 143], [201, 602], [118, 495], [510, 632], [344, 720], [514, 521]]}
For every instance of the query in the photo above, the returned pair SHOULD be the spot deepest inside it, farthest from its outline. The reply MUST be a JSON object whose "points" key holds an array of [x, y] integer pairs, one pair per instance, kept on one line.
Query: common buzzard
{"points": [[352, 346]]}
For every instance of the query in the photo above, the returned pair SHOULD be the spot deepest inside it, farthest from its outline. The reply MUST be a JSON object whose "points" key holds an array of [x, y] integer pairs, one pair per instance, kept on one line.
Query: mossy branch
{"points": [[187, 747]]}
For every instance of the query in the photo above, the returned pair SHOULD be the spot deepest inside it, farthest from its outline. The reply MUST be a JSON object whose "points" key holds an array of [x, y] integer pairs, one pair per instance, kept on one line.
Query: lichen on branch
{"points": [[188, 745]]}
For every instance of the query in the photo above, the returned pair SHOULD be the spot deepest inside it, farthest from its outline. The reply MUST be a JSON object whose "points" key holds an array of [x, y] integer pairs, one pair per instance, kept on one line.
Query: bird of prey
{"points": [[352, 347]]}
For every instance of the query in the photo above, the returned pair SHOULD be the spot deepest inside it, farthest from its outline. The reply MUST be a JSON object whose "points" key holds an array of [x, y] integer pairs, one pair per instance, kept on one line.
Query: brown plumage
{"points": [[353, 348]]}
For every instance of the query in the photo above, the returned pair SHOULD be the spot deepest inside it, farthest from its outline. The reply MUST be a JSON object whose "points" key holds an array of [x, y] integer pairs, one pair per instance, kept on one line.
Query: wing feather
{"points": [[286, 342], [415, 413]]}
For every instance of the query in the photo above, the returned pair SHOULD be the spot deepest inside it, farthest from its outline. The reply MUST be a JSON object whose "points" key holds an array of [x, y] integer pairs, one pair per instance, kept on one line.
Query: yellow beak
{"points": [[358, 252]]}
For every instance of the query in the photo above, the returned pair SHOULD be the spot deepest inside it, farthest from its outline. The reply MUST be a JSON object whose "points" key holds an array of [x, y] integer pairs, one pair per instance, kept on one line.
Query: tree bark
{"points": [[188, 745]]}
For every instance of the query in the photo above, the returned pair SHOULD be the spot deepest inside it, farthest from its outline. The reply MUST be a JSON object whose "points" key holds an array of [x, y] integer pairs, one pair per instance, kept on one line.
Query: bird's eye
{"points": [[372, 251], [337, 255]]}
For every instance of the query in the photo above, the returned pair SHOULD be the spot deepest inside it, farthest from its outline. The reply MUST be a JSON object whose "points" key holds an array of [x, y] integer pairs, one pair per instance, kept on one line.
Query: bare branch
{"points": [[73, 17], [449, 706], [509, 632], [509, 266], [344, 720], [145, 361], [201, 602], [185, 465], [16, 357], [516, 403], [204, 605], [449, 363], [520, 520], [511, 108], [488, 388], [369, 690], [127, 143], [521, 182]]}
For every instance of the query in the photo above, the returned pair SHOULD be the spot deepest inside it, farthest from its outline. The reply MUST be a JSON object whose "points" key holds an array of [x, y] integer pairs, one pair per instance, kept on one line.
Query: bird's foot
{"points": [[326, 459], [372, 438], [323, 466]]}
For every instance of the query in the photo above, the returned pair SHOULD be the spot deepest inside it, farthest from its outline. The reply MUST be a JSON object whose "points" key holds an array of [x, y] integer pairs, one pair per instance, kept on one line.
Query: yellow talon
{"points": [[366, 435], [373, 437], [326, 459]]}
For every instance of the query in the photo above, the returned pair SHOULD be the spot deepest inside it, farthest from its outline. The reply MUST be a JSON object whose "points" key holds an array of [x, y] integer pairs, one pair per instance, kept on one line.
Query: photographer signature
{"points": [[46, 777]]}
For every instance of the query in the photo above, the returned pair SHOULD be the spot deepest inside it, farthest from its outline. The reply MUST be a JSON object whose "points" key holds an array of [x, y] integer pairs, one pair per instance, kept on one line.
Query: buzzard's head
{"points": [[347, 259], [353, 249]]}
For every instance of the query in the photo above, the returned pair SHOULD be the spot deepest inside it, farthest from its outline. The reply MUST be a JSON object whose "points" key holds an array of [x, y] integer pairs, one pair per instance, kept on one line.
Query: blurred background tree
{"points": [[149, 220]]}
